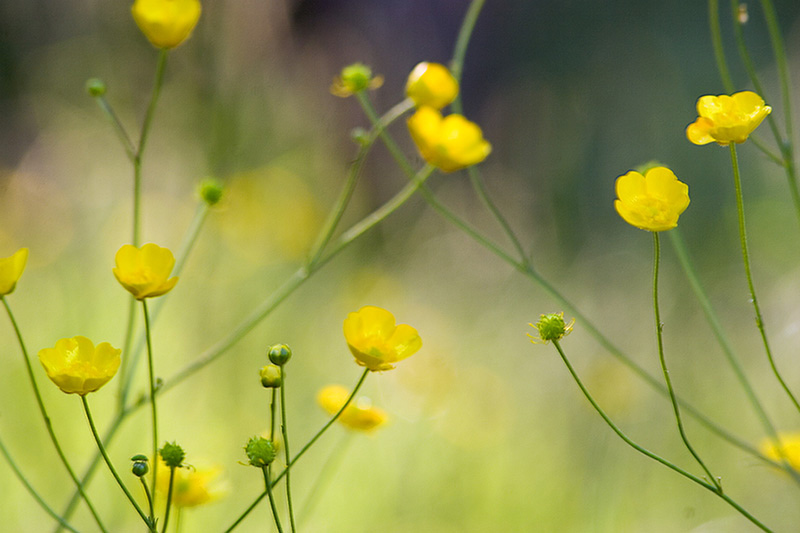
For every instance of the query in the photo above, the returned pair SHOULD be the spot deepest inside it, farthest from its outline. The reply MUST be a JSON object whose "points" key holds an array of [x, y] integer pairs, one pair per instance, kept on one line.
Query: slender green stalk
{"points": [[663, 361], [149, 498], [779, 50], [153, 408], [129, 363], [150, 524], [285, 433], [272, 414], [748, 274], [302, 451], [325, 475], [119, 129], [462, 42], [713, 488], [13, 464], [169, 498], [268, 486], [43, 410]]}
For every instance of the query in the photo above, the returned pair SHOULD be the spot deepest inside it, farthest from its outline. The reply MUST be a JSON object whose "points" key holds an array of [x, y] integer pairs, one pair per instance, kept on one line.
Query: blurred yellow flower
{"points": [[359, 415], [11, 269], [652, 202], [431, 84], [789, 448], [354, 79], [77, 366], [449, 143], [191, 486], [376, 342], [726, 119], [144, 271], [166, 23]]}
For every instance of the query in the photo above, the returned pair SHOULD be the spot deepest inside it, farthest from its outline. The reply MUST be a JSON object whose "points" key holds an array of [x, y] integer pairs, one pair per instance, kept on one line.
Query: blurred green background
{"points": [[488, 432]]}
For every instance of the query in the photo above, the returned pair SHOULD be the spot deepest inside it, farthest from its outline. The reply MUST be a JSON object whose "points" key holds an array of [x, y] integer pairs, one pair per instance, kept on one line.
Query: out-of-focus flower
{"points": [[376, 341], [77, 366], [166, 23], [11, 269], [551, 327], [354, 79], [431, 84], [359, 414], [652, 202], [726, 119], [789, 449], [144, 272], [191, 486], [449, 143]]}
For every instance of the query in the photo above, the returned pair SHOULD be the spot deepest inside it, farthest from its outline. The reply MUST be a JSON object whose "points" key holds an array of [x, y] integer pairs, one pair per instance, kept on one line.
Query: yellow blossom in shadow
{"points": [[359, 415], [653, 201], [789, 449], [11, 269], [431, 84], [376, 341], [725, 119], [144, 272], [77, 366], [191, 486], [449, 143], [166, 23]]}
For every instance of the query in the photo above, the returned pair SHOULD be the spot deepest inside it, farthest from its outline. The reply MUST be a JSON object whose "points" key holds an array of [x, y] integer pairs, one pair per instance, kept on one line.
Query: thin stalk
{"points": [[272, 414], [285, 433], [43, 411], [268, 486], [153, 408], [663, 361], [325, 475], [111, 468], [648, 453], [748, 274], [149, 498], [119, 129], [779, 50], [169, 498], [462, 42]]}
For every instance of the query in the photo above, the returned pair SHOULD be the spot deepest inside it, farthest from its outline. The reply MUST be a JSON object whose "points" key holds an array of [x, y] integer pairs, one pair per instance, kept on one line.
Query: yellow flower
{"points": [[448, 143], [166, 23], [11, 269], [652, 202], [359, 414], [789, 445], [375, 341], [144, 271], [431, 84], [726, 119], [77, 366], [191, 486]]}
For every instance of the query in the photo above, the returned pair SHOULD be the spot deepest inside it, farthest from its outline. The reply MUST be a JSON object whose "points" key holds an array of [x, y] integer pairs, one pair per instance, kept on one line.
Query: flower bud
{"points": [[552, 328], [271, 376], [260, 451], [279, 354], [210, 191], [172, 454], [431, 84], [354, 79], [140, 466], [95, 87]]}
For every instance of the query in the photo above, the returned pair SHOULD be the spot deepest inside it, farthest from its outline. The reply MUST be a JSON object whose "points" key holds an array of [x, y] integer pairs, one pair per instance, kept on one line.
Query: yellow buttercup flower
{"points": [[144, 272], [191, 486], [431, 84], [77, 366], [449, 143], [11, 269], [359, 415], [789, 448], [376, 341], [166, 23], [726, 119], [652, 202]]}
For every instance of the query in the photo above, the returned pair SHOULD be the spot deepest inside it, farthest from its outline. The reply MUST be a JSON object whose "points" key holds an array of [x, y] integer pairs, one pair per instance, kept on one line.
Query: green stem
{"points": [[147, 521], [119, 129], [779, 50], [149, 498], [648, 453], [32, 491], [748, 274], [462, 42], [663, 361], [325, 475], [48, 424], [153, 409], [285, 433], [268, 486], [169, 498], [272, 414]]}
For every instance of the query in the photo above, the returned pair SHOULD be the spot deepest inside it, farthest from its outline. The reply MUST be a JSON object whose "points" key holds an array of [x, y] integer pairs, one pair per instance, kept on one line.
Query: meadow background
{"points": [[488, 432]]}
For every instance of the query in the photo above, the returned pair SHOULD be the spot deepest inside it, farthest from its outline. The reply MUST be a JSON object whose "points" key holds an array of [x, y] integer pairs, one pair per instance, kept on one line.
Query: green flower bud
{"points": [[359, 135], [172, 454], [211, 191], [552, 328], [271, 376], [260, 451], [95, 87], [279, 354], [140, 465], [354, 79]]}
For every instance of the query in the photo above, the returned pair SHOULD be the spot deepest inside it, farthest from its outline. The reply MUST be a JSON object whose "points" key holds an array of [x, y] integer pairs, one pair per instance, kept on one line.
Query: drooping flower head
{"points": [[144, 272], [653, 201], [431, 84], [725, 119], [77, 366], [11, 269], [192, 486], [359, 415], [376, 341], [449, 143], [788, 448], [166, 23]]}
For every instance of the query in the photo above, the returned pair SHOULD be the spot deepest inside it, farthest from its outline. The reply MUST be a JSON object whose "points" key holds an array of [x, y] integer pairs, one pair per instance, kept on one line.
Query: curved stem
{"points": [[285, 432], [748, 274], [153, 409], [460, 51], [169, 499], [149, 498], [268, 486]]}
